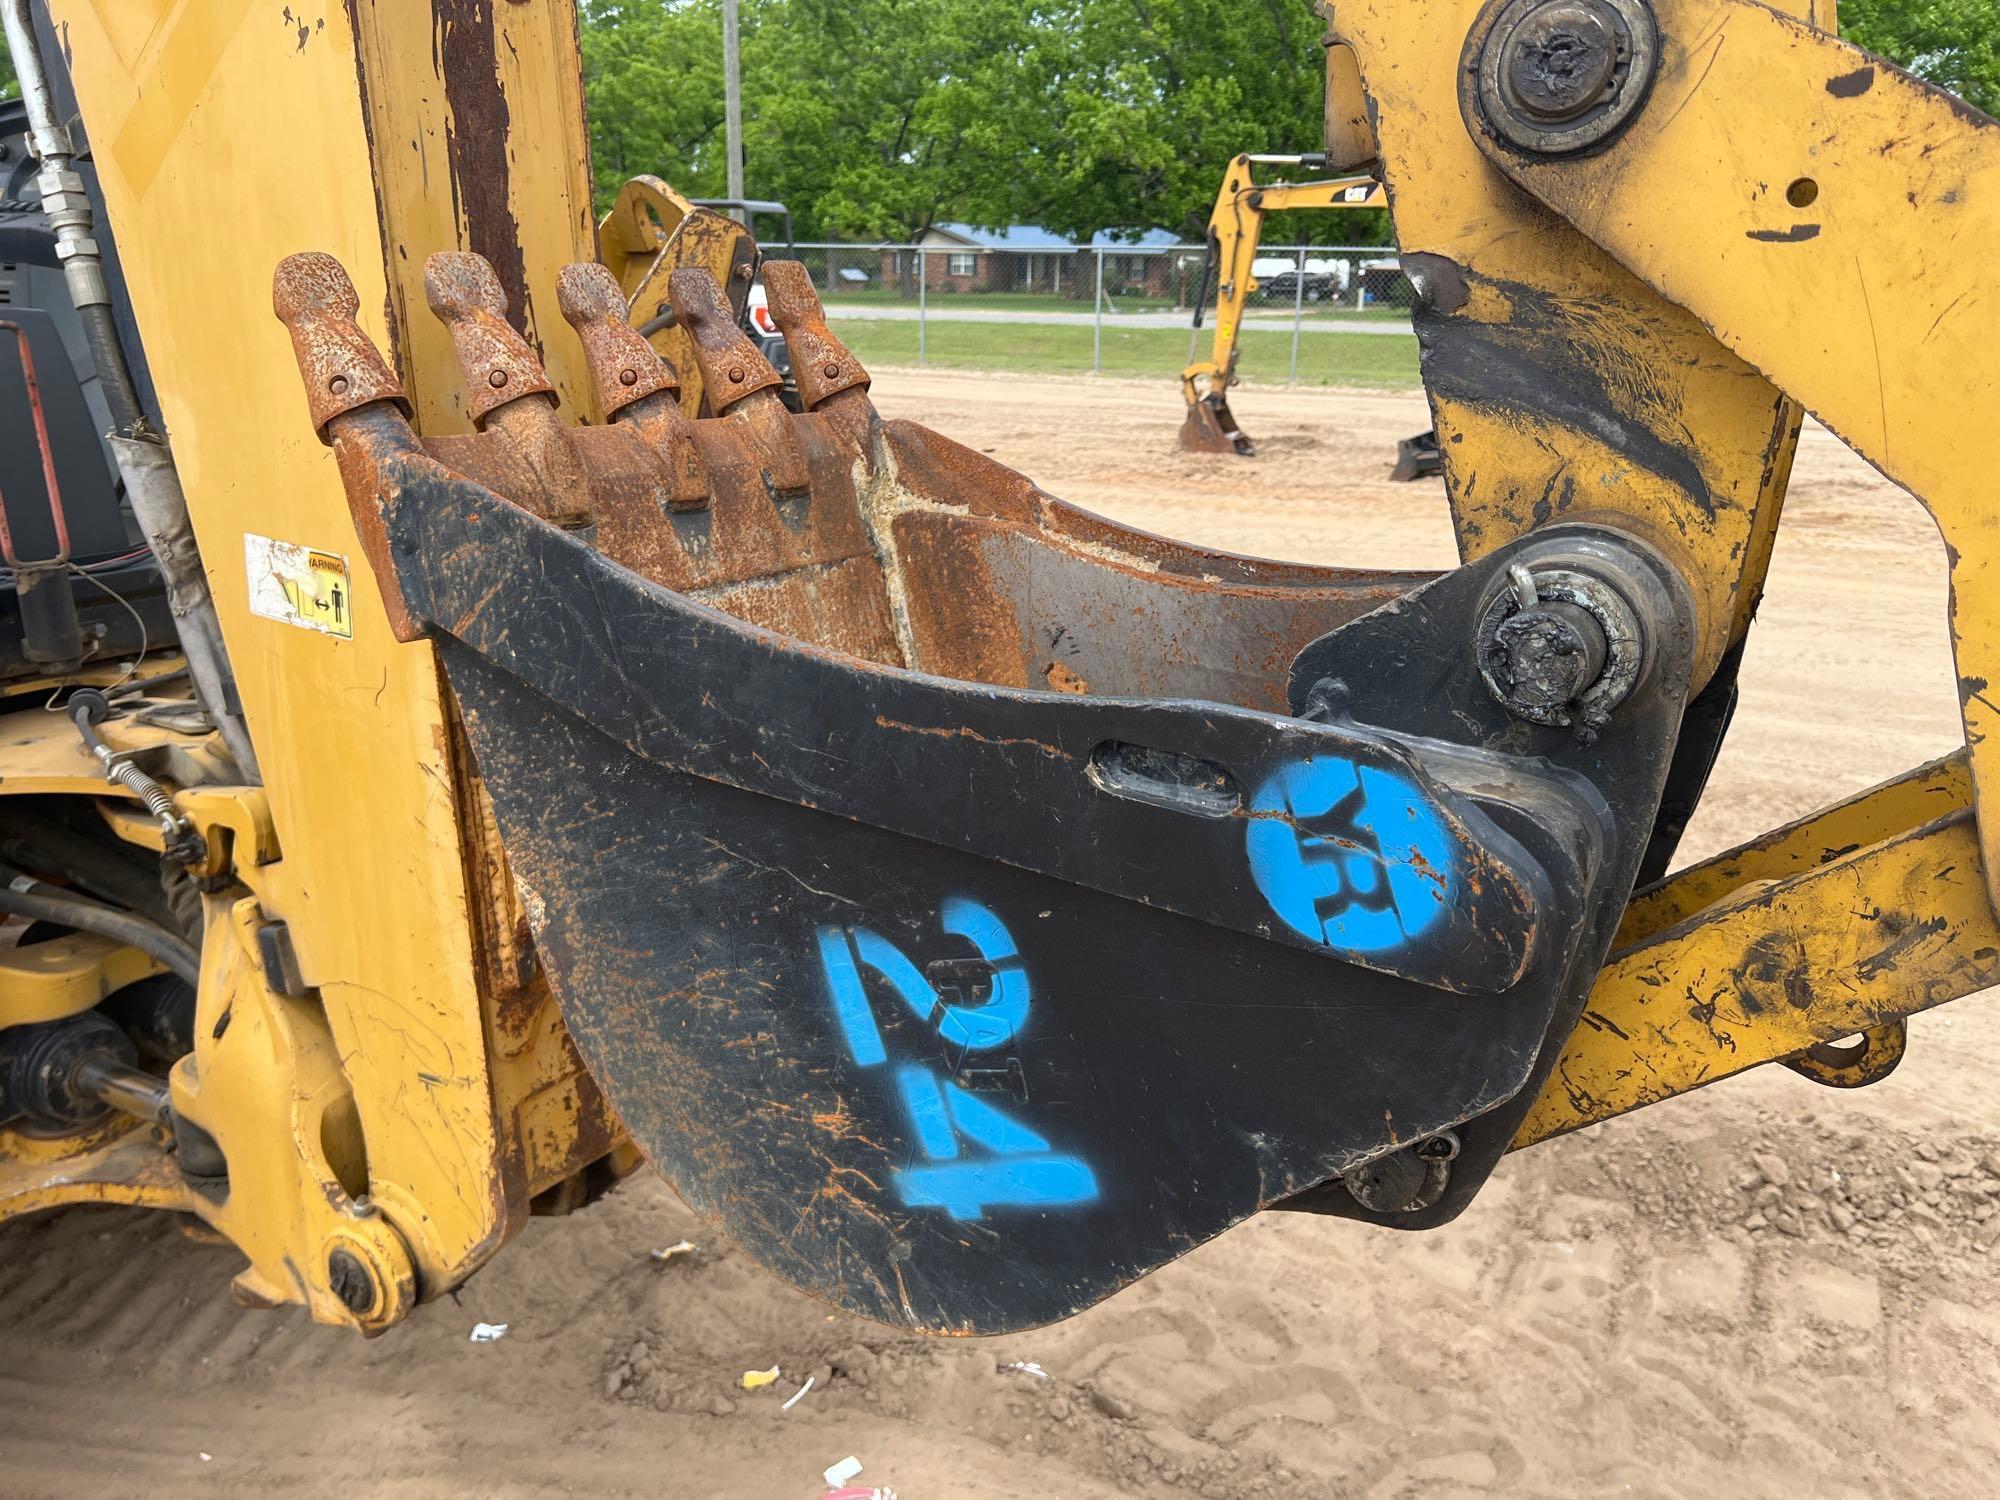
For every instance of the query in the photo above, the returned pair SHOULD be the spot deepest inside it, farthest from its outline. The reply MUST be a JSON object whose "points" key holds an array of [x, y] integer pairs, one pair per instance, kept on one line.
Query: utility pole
{"points": [[732, 101]]}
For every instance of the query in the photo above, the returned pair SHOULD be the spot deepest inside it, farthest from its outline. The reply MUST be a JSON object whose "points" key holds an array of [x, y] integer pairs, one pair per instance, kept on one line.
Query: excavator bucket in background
{"points": [[1229, 266], [1210, 427], [1417, 458]]}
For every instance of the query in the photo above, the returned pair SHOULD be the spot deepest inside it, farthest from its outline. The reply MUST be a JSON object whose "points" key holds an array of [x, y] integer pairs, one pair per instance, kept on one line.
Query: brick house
{"points": [[1028, 258]]}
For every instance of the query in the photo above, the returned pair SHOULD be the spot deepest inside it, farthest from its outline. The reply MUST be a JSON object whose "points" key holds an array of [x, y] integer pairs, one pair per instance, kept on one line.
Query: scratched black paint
{"points": [[1413, 681], [1536, 365], [687, 799]]}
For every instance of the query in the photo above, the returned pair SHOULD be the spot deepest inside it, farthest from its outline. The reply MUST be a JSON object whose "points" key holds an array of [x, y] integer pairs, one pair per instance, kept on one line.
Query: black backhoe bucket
{"points": [[970, 904]]}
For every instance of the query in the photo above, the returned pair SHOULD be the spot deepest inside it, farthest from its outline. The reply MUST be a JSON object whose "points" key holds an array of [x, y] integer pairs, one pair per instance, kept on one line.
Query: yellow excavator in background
{"points": [[1229, 264], [464, 745]]}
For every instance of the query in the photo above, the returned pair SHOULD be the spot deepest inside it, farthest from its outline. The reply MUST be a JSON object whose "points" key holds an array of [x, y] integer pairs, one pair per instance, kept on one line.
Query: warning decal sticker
{"points": [[299, 585]]}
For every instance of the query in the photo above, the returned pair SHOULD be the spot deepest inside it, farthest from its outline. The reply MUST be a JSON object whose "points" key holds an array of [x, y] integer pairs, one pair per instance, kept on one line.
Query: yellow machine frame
{"points": [[424, 1032]]}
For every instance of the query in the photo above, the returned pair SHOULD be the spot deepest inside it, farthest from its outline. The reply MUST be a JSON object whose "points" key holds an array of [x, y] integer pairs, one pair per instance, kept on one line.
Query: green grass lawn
{"points": [[1356, 359], [1378, 312], [1260, 306], [993, 301]]}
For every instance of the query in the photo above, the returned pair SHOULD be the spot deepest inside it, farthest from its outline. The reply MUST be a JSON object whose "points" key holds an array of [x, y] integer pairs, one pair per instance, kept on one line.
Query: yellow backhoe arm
{"points": [[1811, 215], [1234, 228], [651, 232]]}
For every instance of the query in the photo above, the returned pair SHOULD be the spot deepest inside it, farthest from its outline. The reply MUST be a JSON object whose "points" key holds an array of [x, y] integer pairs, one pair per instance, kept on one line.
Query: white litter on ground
{"points": [[838, 1474]]}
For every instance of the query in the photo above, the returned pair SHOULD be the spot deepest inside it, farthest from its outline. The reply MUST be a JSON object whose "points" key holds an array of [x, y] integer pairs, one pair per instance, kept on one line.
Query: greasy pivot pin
{"points": [[1558, 77], [1560, 643]]}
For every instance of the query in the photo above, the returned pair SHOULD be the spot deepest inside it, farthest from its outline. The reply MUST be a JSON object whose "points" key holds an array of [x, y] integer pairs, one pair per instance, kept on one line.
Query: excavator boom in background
{"points": [[1229, 264], [569, 756]]}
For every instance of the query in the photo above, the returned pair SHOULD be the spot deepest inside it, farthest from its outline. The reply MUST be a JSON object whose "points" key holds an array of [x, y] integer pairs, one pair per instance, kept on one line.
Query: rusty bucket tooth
{"points": [[341, 367], [624, 368], [1211, 428], [821, 364], [499, 366], [636, 385], [358, 406], [731, 367]]}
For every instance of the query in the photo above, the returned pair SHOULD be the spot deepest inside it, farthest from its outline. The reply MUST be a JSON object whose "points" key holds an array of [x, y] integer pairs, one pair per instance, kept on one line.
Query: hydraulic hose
{"points": [[37, 841], [114, 376], [1208, 254], [25, 896], [67, 208], [152, 483]]}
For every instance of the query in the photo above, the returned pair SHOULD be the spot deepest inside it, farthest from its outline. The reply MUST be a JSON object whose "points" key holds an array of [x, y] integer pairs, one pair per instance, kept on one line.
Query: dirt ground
{"points": [[1602, 1322]]}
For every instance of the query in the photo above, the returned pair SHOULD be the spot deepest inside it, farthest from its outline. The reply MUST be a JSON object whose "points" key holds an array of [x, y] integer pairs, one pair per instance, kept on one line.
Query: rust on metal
{"points": [[57, 562], [1210, 427], [731, 367], [885, 541], [506, 389], [624, 368], [821, 364], [342, 369], [637, 387], [466, 294], [477, 150]]}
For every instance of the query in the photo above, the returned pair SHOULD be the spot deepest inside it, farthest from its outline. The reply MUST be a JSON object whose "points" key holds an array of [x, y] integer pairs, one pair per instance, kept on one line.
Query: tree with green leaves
{"points": [[653, 75], [1952, 43], [1150, 99], [884, 117], [9, 84], [871, 118]]}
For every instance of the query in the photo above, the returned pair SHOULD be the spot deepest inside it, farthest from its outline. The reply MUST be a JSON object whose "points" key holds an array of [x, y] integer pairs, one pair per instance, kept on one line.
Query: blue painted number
{"points": [[975, 1156]]}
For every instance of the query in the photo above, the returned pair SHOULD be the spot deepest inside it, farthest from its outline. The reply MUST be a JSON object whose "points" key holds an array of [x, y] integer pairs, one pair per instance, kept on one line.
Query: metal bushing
{"points": [[1405, 1181], [1560, 646], [1558, 77], [348, 1278]]}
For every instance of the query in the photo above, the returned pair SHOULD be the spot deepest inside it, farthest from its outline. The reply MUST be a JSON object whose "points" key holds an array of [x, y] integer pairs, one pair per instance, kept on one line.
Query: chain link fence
{"points": [[1319, 315]]}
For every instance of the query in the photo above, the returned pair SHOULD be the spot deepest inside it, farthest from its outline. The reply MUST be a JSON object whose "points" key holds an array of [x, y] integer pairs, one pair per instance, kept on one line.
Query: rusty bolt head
{"points": [[830, 370], [1562, 60], [628, 377], [1548, 656], [735, 374], [1557, 77], [350, 1282], [497, 379], [338, 385]]}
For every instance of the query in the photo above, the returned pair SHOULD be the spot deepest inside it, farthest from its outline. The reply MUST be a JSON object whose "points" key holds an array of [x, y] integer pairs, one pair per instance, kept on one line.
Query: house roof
{"points": [[1034, 237], [1113, 239], [1013, 237]]}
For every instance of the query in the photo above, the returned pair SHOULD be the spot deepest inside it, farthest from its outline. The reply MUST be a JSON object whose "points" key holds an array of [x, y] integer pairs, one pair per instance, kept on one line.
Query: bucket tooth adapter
{"points": [[935, 875]]}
